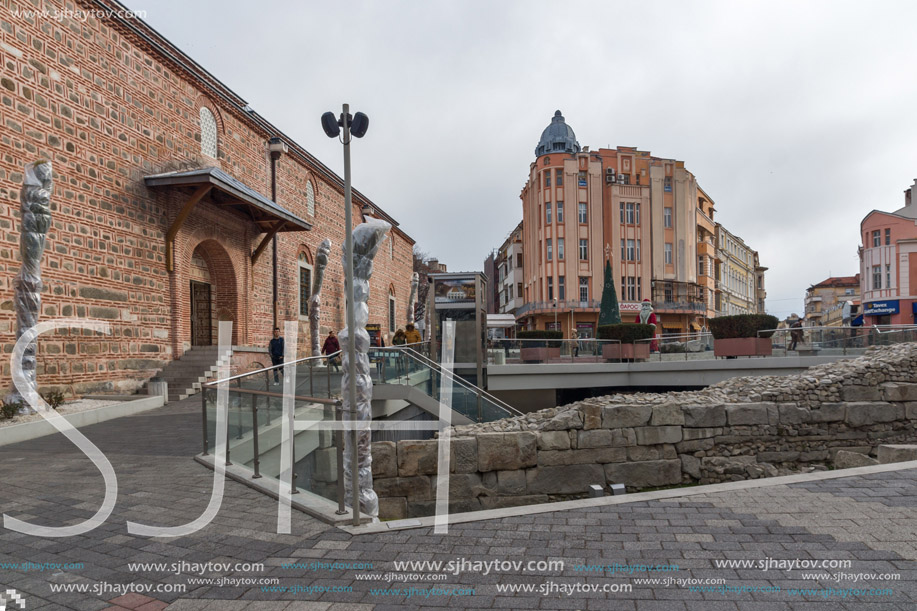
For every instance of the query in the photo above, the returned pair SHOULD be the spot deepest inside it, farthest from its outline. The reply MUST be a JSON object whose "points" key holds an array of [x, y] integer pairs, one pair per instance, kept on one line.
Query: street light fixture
{"points": [[352, 126]]}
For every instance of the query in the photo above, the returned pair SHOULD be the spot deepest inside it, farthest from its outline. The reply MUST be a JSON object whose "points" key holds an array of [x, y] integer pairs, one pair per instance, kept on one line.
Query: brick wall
{"points": [[107, 109]]}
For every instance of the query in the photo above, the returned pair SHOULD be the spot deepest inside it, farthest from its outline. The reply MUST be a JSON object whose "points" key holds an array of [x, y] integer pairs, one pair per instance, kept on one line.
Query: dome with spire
{"points": [[558, 137]]}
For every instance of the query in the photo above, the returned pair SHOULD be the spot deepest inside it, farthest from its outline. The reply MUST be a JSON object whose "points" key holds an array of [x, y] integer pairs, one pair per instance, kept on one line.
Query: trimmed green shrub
{"points": [[540, 334], [626, 333], [54, 398], [742, 325], [8, 410]]}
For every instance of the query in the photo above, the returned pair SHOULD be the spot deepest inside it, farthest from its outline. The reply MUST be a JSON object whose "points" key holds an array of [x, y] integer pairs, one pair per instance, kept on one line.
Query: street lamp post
{"points": [[555, 313], [355, 126]]}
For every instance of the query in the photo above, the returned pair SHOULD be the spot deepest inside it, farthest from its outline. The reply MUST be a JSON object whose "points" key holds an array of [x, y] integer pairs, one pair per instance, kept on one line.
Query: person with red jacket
{"points": [[331, 346]]}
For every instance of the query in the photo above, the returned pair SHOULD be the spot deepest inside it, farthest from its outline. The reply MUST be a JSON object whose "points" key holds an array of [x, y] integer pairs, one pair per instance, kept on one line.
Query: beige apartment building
{"points": [[740, 275], [645, 214], [825, 301]]}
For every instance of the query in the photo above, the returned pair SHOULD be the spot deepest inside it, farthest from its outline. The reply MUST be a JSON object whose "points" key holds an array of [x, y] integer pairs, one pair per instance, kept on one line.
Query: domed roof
{"points": [[558, 137]]}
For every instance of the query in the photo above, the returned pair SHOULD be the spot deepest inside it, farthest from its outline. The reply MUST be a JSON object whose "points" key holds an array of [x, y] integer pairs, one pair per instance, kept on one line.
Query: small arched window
{"points": [[310, 198], [208, 133]]}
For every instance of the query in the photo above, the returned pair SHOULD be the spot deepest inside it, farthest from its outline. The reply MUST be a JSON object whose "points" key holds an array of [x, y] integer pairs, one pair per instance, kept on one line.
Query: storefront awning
{"points": [[501, 320], [225, 192], [695, 326]]}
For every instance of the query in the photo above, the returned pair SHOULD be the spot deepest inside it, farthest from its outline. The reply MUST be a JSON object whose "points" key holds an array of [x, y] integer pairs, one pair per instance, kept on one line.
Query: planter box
{"points": [[539, 355], [742, 346], [631, 352]]}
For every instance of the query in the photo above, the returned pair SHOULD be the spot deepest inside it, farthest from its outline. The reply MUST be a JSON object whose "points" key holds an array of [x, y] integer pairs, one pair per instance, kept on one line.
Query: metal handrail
{"points": [[271, 368], [691, 336], [462, 382]]}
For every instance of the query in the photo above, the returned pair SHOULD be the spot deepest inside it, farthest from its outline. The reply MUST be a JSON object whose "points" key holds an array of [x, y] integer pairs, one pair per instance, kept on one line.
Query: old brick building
{"points": [[162, 191]]}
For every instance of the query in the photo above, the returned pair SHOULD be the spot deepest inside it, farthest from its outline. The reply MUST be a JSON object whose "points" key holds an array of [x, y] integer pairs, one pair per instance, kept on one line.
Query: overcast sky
{"points": [[797, 118]]}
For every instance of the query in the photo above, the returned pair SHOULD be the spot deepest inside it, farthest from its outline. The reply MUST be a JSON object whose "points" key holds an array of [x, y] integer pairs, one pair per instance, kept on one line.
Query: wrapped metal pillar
{"points": [[315, 301], [366, 240], [415, 279], [35, 199]]}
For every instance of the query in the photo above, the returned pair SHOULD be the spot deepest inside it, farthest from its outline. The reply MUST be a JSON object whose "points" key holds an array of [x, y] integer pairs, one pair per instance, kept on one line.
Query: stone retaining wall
{"points": [[739, 429]]}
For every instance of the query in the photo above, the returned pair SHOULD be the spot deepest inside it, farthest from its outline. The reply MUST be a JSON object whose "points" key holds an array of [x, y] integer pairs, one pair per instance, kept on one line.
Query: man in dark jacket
{"points": [[330, 347], [275, 350]]}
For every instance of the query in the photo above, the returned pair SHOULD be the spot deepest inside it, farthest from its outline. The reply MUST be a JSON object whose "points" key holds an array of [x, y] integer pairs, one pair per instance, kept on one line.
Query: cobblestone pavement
{"points": [[863, 526]]}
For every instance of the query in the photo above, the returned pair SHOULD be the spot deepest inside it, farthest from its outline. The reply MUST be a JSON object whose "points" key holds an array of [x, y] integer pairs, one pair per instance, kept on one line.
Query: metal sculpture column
{"points": [[415, 279], [35, 199], [366, 240], [315, 301]]}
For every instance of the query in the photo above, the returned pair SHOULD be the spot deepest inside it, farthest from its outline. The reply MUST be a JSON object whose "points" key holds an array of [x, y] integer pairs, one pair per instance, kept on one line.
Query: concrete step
{"points": [[890, 453]]}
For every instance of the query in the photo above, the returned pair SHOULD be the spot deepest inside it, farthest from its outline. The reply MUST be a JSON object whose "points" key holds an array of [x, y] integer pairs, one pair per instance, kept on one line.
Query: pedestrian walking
{"points": [[275, 351]]}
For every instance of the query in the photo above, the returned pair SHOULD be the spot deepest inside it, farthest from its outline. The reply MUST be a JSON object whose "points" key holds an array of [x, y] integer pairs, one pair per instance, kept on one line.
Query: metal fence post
{"points": [[255, 436], [339, 441], [204, 414]]}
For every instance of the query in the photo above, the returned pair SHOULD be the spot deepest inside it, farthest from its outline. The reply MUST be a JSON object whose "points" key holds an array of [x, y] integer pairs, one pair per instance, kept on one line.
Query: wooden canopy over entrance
{"points": [[225, 192]]}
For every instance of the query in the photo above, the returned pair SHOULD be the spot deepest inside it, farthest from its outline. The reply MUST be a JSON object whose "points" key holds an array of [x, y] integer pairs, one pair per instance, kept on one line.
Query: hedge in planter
{"points": [[742, 325], [738, 335], [626, 333]]}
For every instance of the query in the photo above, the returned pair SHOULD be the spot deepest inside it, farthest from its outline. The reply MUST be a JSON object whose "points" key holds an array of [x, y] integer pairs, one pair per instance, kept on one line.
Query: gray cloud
{"points": [[797, 118]]}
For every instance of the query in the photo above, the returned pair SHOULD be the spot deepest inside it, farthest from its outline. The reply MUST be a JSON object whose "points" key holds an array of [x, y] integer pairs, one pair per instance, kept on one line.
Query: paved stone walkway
{"points": [[866, 526]]}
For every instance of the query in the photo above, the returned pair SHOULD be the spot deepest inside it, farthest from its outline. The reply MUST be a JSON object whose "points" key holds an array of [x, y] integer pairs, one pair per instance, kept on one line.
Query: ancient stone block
{"points": [[743, 414], [394, 508], [667, 413], [592, 416], [506, 451], [792, 414], [846, 460], [911, 410], [690, 434], [464, 454], [564, 421], [645, 474], [894, 391], [550, 458], [691, 465], [660, 452], [417, 457], [655, 435], [103, 312], [890, 453], [91, 292], [623, 437], [861, 393], [696, 445], [828, 412], [598, 438], [773, 457], [414, 488], [620, 416], [553, 440], [385, 463], [461, 486], [813, 456], [511, 482], [705, 415], [861, 414], [564, 479]]}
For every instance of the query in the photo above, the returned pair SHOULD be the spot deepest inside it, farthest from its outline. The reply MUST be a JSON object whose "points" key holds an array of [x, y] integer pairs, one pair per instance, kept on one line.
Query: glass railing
{"points": [[827, 341], [254, 434], [522, 351], [678, 346], [405, 366]]}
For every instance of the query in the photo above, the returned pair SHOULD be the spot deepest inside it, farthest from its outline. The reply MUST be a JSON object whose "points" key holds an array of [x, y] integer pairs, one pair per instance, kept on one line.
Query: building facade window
{"points": [[638, 250], [629, 213], [639, 290], [876, 239], [560, 249], [583, 250], [668, 253], [582, 212], [623, 250], [550, 250], [637, 213], [888, 276], [561, 289], [559, 178], [700, 266], [547, 178], [305, 284], [560, 212], [582, 179], [310, 198], [876, 277], [550, 288], [209, 144], [547, 213], [630, 251], [888, 237], [583, 289], [667, 217], [667, 184], [631, 288], [391, 311]]}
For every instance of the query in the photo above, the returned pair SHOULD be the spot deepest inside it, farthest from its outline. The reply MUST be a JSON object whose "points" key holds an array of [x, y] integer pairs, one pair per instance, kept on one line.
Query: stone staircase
{"points": [[195, 367]]}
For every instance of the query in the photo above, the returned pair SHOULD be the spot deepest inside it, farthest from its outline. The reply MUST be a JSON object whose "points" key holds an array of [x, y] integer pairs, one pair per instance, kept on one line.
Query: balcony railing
{"points": [[548, 306]]}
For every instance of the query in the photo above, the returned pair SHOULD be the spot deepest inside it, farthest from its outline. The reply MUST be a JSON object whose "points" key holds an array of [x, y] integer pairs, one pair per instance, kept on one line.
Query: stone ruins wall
{"points": [[738, 429]]}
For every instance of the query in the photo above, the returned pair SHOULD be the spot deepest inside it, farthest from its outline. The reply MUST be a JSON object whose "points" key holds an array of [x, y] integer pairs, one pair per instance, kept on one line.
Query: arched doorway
{"points": [[212, 293]]}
